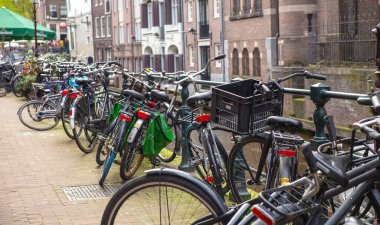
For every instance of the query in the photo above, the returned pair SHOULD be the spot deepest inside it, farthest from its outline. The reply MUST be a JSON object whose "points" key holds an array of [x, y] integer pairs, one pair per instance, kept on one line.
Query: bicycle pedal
{"points": [[117, 162], [102, 137]]}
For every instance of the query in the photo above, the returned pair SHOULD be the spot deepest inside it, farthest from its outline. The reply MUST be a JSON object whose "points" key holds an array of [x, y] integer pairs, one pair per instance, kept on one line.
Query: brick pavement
{"points": [[36, 165]]}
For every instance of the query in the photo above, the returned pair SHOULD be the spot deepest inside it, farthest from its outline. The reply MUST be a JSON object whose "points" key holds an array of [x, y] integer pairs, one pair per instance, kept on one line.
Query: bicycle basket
{"points": [[284, 204], [235, 106], [157, 137]]}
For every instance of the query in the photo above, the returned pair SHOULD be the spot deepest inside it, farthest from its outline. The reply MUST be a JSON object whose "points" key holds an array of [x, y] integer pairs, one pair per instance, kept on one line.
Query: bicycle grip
{"points": [[310, 75], [375, 103], [309, 157], [220, 57], [370, 132]]}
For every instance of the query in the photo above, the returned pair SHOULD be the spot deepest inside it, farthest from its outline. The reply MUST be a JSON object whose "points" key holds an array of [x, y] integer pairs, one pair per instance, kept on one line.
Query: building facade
{"points": [[79, 26], [203, 36], [51, 14], [102, 30], [126, 29], [161, 36]]}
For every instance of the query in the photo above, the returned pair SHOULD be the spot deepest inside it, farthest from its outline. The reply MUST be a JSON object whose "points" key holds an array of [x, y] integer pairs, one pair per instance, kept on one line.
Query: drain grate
{"points": [[86, 192]]}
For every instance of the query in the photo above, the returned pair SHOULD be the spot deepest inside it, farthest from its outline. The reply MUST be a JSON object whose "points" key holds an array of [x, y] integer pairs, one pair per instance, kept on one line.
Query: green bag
{"points": [[158, 136], [115, 112]]}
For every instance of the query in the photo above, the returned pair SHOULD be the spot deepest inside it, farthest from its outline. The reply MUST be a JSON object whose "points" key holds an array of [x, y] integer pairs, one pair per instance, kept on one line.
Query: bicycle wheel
{"points": [[243, 163], [106, 166], [132, 156], [84, 137], [168, 153], [159, 199], [36, 115], [65, 118], [16, 86], [104, 147]]}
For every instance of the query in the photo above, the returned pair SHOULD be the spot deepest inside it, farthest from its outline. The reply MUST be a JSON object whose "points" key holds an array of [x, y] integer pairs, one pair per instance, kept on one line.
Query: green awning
{"points": [[16, 27]]}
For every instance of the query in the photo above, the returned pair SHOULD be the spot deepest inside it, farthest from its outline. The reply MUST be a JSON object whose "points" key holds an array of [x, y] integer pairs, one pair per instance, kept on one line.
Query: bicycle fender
{"points": [[28, 102], [192, 179], [73, 109]]}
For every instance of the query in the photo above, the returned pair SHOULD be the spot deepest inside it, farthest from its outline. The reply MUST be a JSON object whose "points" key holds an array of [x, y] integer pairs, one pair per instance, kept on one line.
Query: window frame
{"points": [[51, 10], [150, 15], [190, 11], [102, 23], [216, 9], [97, 27], [174, 9], [121, 34], [191, 55], [108, 26], [218, 51]]}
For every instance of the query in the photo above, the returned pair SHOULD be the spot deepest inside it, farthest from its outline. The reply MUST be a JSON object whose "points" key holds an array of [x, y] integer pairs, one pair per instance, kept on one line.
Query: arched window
{"points": [[148, 57], [256, 63], [245, 62], [235, 62], [236, 7]]}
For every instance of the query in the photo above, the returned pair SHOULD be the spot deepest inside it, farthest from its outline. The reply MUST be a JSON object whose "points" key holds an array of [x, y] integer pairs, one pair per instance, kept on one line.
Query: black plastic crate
{"points": [[233, 106]]}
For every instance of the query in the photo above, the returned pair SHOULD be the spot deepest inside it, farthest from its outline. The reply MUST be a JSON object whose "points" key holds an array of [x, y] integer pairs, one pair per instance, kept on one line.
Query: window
{"points": [[103, 26], [100, 2], [216, 8], [115, 35], [256, 63], [190, 11], [245, 62], [63, 11], [108, 52], [53, 11], [121, 34], [191, 55], [258, 7], [96, 2], [109, 26], [88, 40], [236, 7], [87, 23], [126, 4], [235, 62], [107, 7], [97, 27], [53, 27], [218, 51], [309, 23], [138, 31], [150, 15], [174, 12]]}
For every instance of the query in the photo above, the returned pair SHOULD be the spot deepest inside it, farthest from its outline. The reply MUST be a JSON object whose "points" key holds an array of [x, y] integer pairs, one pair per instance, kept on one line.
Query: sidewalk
{"points": [[34, 168]]}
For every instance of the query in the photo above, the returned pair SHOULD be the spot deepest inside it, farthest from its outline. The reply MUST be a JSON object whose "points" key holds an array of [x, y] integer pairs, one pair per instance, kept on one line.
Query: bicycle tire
{"points": [[32, 115], [180, 190], [236, 163], [106, 167], [111, 137], [85, 139], [15, 88], [65, 118], [132, 157]]}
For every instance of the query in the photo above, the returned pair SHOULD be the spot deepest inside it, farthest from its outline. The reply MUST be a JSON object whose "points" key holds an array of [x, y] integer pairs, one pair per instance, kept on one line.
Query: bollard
{"points": [[186, 163], [316, 95]]}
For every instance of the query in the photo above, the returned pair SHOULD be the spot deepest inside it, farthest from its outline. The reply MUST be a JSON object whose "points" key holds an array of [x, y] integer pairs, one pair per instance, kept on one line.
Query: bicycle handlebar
{"points": [[375, 100]]}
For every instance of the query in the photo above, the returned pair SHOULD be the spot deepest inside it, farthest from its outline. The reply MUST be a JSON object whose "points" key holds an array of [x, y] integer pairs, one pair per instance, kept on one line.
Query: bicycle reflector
{"points": [[142, 115], [73, 95], [203, 118], [287, 152], [65, 92], [125, 118], [261, 214], [150, 104]]}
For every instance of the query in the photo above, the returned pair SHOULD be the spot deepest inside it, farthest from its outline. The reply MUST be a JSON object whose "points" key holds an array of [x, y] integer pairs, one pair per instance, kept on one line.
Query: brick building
{"points": [[102, 29], [51, 13], [161, 36], [202, 36], [126, 29]]}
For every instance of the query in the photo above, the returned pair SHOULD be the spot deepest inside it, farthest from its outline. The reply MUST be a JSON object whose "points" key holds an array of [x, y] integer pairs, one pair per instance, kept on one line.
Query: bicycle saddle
{"points": [[160, 95], [333, 166], [82, 82], [133, 94], [198, 97], [284, 124]]}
